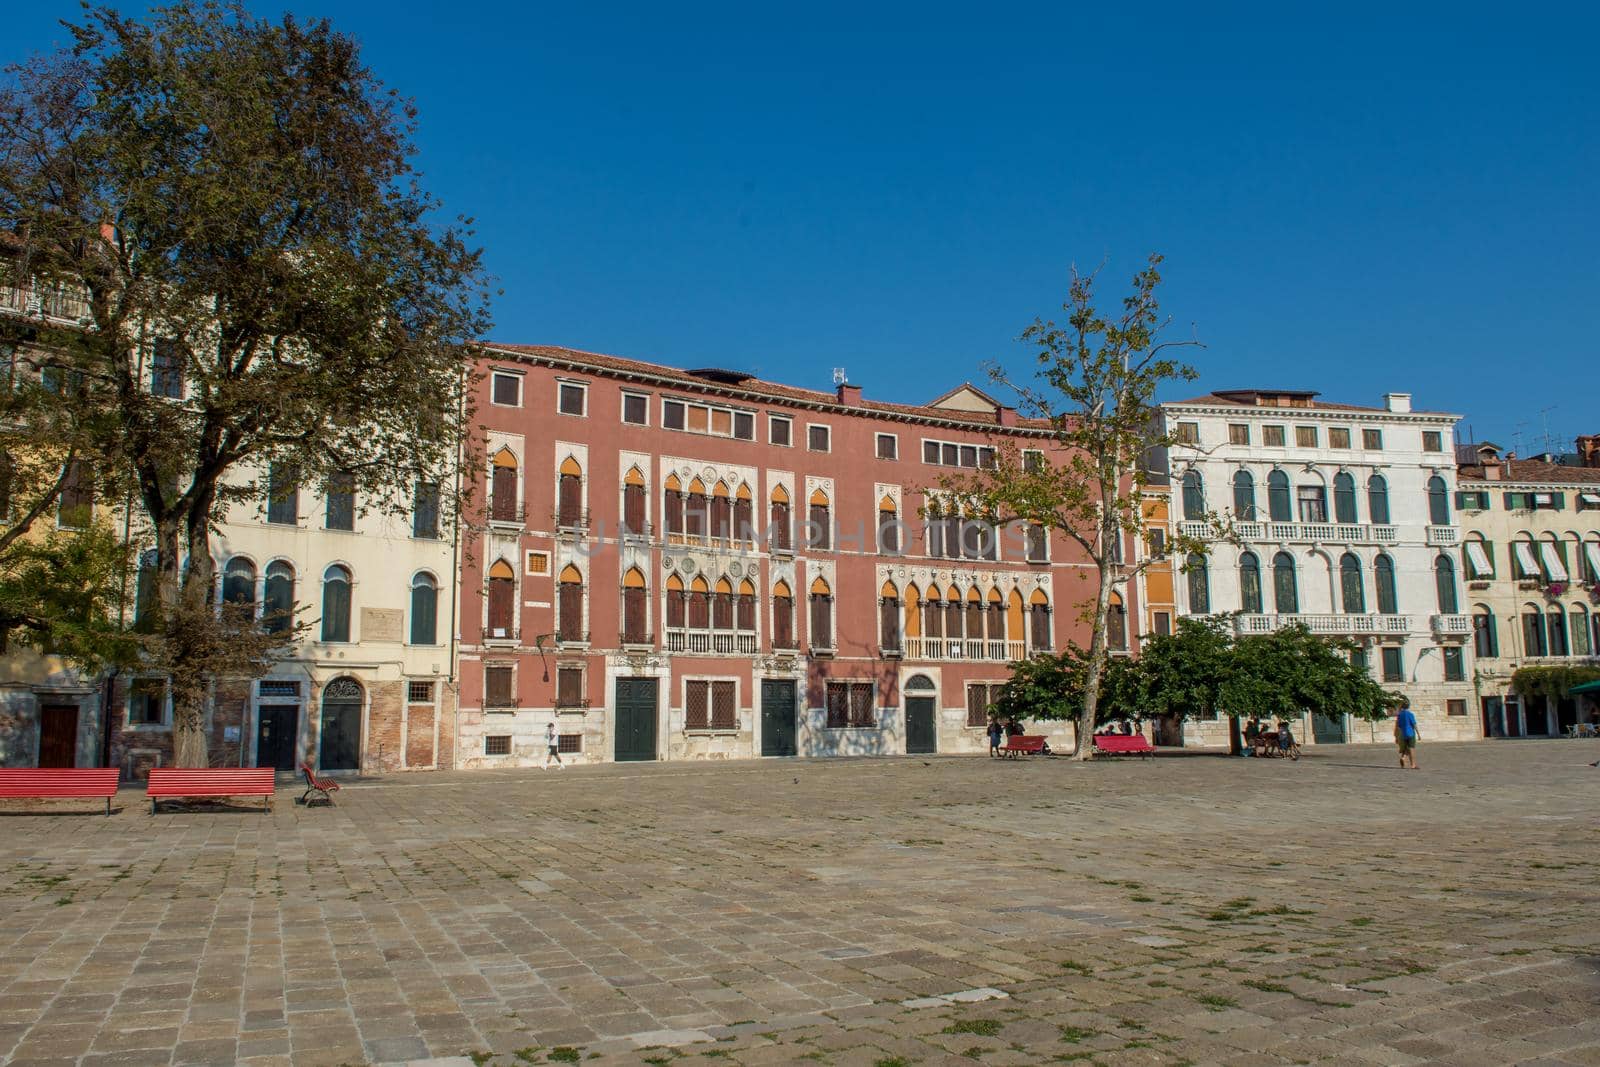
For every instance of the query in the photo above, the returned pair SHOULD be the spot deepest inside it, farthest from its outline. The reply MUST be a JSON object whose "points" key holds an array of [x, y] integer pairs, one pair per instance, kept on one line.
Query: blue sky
{"points": [[1354, 199]]}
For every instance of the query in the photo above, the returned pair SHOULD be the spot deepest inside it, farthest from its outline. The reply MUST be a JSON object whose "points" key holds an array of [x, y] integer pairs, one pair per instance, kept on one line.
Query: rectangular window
{"points": [[1238, 433], [497, 745], [147, 698], [969, 455], [1372, 440], [851, 705], [1455, 664], [572, 398], [780, 431], [950, 455], [705, 419], [569, 687], [272, 687], [744, 426], [724, 712], [75, 502], [818, 438], [341, 510], [1163, 620], [1032, 460], [1305, 436], [506, 390], [1394, 666], [1455, 707], [1272, 436], [425, 511], [569, 744], [979, 697], [499, 689], [1313, 500], [1188, 433], [930, 451], [953, 454], [1586, 501], [635, 409], [283, 496], [1338, 437], [888, 446], [419, 692], [166, 368], [1433, 441], [1472, 500], [696, 705], [1479, 565], [538, 563], [672, 414]]}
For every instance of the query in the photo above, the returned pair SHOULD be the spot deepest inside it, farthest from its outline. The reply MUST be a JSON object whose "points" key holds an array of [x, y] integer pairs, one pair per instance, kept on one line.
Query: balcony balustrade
{"points": [[712, 642], [1443, 536], [986, 650], [1337, 533], [1451, 625], [1343, 625]]}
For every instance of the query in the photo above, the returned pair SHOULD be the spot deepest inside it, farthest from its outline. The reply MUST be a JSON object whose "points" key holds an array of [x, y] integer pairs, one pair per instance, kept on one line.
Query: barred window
{"points": [[724, 714], [696, 705], [851, 705], [146, 700], [497, 745], [567, 744], [419, 692], [979, 696]]}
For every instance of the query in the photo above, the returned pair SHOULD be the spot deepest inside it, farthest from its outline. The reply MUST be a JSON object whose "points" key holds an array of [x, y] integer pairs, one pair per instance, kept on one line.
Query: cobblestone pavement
{"points": [[1182, 909]]}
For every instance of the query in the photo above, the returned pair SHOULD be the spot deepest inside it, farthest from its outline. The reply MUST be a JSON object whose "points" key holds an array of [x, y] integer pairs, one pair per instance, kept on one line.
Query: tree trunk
{"points": [[1084, 749], [190, 688]]}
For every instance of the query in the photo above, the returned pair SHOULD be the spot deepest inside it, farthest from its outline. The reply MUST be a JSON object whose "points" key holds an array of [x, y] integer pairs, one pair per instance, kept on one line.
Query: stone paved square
{"points": [[1189, 908]]}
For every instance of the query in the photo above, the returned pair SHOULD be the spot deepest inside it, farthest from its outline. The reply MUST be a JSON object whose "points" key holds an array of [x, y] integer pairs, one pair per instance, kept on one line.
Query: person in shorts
{"points": [[552, 747], [996, 732], [1406, 734]]}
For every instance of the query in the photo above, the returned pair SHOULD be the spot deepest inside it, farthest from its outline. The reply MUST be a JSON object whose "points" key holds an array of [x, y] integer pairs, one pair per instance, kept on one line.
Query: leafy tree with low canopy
{"points": [[1048, 687], [237, 196], [1094, 386]]}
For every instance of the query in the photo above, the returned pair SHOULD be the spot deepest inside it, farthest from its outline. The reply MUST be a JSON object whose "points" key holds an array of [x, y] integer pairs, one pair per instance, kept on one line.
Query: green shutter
{"points": [[1558, 501], [1488, 550], [1513, 501], [1561, 551]]}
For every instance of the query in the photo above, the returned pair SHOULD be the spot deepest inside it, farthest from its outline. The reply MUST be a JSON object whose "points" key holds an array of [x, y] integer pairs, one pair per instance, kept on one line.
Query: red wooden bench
{"points": [[1123, 745], [326, 786], [53, 782], [168, 783], [1023, 745]]}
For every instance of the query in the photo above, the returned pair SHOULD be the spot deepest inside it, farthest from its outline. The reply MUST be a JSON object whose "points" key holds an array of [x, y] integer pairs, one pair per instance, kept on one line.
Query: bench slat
{"points": [[170, 782], [59, 782]]}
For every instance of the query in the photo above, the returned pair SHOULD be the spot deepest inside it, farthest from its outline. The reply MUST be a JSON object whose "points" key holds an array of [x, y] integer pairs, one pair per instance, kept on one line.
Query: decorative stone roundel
{"points": [[342, 689], [688, 566], [666, 563], [709, 474], [736, 568]]}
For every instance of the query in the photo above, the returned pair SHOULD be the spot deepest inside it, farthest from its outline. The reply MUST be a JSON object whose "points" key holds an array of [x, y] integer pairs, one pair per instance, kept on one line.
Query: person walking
{"points": [[995, 733], [1406, 734], [552, 747]]}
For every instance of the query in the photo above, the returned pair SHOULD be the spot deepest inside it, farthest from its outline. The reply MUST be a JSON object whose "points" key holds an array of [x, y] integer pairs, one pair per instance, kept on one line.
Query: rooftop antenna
{"points": [[1544, 417], [1516, 438], [839, 376]]}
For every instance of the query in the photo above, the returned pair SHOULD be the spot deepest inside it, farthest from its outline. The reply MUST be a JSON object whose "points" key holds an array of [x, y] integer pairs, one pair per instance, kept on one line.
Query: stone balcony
{"points": [[1336, 625], [1450, 625], [1338, 533], [992, 650]]}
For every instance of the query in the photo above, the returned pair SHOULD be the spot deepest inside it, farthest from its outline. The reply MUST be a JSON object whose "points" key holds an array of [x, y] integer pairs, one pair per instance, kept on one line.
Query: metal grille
{"points": [[342, 689], [419, 692], [979, 697], [694, 705], [497, 745], [838, 705], [568, 743], [863, 711], [280, 689], [724, 715]]}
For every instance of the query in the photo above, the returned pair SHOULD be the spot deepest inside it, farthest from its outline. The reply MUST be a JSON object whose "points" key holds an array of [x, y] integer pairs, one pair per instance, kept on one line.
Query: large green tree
{"points": [[1094, 387], [267, 285]]}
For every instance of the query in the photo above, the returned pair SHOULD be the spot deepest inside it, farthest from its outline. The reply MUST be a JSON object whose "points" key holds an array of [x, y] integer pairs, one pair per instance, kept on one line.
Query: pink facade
{"points": [[627, 575]]}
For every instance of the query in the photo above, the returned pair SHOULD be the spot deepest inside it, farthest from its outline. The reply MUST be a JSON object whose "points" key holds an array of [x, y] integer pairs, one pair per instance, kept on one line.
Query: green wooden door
{"points": [[635, 719], [1327, 729], [921, 737], [777, 717]]}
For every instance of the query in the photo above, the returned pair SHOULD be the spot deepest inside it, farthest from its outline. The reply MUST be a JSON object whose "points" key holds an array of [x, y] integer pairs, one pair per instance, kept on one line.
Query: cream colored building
{"points": [[1531, 558], [1344, 524]]}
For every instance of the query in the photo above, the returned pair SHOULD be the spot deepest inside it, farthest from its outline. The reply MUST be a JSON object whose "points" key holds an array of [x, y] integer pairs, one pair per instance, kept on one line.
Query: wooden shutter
{"points": [[821, 621], [674, 511], [634, 629], [821, 533], [781, 528], [695, 710], [570, 625], [743, 520], [747, 612], [722, 611], [783, 622], [721, 517], [633, 509], [497, 687], [889, 624], [503, 495], [889, 532], [675, 608], [699, 610], [724, 715], [569, 687], [502, 607], [1041, 625]]}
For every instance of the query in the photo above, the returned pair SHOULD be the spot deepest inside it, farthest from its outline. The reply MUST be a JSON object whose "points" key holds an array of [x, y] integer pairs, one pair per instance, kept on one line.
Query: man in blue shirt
{"points": [[1406, 734]]}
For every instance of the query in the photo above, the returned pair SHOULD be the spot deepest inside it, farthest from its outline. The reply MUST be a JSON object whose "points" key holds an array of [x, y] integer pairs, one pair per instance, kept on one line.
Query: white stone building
{"points": [[1531, 560], [1345, 523]]}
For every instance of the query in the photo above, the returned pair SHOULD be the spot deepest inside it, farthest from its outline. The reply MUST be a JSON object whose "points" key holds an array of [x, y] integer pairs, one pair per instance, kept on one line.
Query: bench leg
{"points": [[108, 805]]}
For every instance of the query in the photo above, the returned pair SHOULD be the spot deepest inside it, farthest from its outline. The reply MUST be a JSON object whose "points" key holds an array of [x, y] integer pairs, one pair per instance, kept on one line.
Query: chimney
{"points": [[849, 395], [1491, 470], [1006, 416], [1397, 402]]}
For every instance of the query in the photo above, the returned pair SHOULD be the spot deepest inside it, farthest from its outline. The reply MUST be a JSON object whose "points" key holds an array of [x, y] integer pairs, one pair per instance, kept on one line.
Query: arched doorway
{"points": [[340, 746], [922, 734]]}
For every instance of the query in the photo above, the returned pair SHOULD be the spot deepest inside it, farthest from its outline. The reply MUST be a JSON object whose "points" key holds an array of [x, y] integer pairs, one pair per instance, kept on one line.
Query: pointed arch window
{"points": [[1285, 591], [1383, 582], [722, 605], [1438, 502], [1378, 500], [821, 615], [672, 502], [699, 604], [336, 603], [1351, 588], [697, 511], [1444, 580], [1244, 496], [424, 609], [1039, 620], [996, 627], [635, 608], [746, 620], [1016, 616], [277, 605], [1199, 579], [912, 613], [503, 505], [782, 525], [933, 611], [1279, 507], [782, 615], [1116, 625], [239, 583], [1344, 498], [677, 603], [721, 513], [1250, 583], [634, 505], [974, 617], [819, 521], [889, 617], [743, 516], [954, 625], [1194, 495], [569, 606], [502, 600], [888, 526]]}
